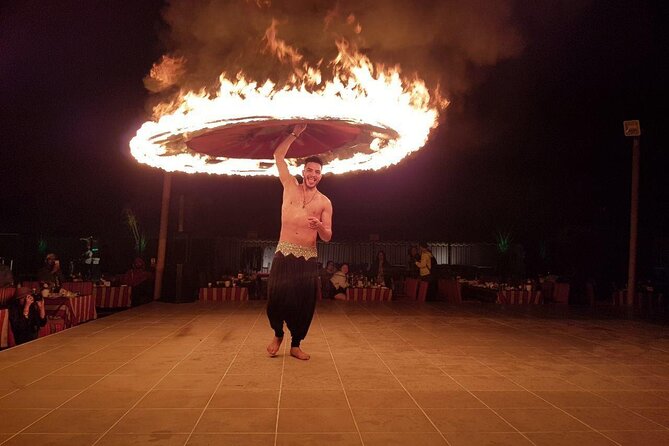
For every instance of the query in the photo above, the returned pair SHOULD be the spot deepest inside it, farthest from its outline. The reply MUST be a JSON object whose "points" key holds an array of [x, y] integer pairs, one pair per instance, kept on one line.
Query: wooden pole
{"points": [[162, 236], [634, 214]]}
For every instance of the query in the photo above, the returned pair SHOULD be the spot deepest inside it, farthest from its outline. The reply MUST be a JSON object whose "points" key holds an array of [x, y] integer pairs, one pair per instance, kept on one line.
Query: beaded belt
{"points": [[307, 252]]}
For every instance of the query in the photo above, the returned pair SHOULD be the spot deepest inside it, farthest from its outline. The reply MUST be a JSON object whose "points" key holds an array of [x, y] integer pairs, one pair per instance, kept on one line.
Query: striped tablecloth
{"points": [[73, 310], [221, 294], [6, 337], [519, 297], [369, 294], [54, 324], [112, 296]]}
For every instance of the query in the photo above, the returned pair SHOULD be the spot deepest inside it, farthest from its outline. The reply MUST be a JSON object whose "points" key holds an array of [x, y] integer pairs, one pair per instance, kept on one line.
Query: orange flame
{"points": [[359, 92]]}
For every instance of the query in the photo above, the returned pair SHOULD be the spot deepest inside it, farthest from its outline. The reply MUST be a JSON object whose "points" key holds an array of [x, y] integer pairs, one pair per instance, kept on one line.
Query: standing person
{"points": [[414, 257], [425, 268], [380, 270], [305, 215]]}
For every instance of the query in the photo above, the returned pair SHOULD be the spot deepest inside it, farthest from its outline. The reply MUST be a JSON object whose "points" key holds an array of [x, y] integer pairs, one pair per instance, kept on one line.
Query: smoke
{"points": [[445, 42]]}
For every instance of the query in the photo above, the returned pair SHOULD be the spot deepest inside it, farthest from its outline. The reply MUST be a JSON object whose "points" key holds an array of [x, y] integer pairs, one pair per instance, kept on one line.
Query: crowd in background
{"points": [[336, 279]]}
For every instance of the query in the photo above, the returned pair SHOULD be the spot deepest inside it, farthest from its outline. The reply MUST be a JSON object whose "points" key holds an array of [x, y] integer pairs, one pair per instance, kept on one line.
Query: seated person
{"points": [[26, 316], [340, 283], [51, 273]]}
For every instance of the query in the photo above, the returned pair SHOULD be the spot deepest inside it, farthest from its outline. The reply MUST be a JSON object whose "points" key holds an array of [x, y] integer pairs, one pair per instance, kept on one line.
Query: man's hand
{"points": [[314, 223], [27, 304], [299, 128]]}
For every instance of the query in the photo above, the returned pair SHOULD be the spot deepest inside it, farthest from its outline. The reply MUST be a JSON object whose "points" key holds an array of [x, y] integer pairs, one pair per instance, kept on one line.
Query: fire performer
{"points": [[305, 214]]}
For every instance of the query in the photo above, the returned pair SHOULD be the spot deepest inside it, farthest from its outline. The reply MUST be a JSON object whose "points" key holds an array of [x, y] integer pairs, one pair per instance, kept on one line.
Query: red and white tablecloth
{"points": [[54, 324], [369, 294], [221, 294], [519, 297], [112, 296], [73, 310], [6, 336]]}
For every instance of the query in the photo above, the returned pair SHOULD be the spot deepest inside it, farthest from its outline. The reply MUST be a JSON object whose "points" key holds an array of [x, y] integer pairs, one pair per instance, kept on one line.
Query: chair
{"points": [[561, 293], [422, 290], [54, 324], [450, 290], [6, 295], [411, 288]]}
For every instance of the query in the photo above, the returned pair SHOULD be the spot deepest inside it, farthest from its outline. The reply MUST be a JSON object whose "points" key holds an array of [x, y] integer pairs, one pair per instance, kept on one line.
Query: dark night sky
{"points": [[547, 154]]}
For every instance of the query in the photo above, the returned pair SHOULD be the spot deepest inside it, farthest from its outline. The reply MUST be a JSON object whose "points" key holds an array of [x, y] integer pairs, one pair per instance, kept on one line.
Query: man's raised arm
{"points": [[282, 149]]}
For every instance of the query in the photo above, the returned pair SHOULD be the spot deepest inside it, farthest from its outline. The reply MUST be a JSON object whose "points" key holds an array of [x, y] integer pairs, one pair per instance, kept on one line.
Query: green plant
{"points": [[503, 241], [137, 233]]}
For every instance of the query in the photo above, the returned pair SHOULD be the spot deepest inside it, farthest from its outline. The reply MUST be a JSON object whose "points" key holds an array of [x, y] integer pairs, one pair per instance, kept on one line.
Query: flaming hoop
{"points": [[366, 117]]}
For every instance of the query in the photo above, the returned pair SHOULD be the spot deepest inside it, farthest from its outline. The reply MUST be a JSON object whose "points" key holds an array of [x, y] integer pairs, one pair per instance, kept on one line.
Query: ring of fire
{"points": [[364, 118]]}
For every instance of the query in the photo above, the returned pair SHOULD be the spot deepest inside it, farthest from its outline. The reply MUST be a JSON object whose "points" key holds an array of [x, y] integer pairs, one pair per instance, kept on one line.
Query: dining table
{"points": [[6, 337], [113, 296], [519, 297], [73, 310], [369, 294], [219, 294]]}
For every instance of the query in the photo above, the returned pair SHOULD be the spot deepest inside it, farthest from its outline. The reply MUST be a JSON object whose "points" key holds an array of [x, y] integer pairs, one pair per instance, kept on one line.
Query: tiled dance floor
{"points": [[381, 374]]}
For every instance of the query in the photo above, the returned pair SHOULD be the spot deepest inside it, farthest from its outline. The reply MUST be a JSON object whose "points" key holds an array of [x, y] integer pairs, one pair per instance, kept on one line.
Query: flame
{"points": [[165, 73], [358, 92]]}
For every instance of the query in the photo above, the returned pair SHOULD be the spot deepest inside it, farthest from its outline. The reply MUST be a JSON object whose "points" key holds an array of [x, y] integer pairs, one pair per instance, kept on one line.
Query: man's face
{"points": [[50, 261], [311, 174]]}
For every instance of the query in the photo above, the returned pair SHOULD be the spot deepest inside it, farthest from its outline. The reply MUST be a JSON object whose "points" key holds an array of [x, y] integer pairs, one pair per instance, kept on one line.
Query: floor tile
{"points": [[307, 399], [76, 421], [403, 438], [569, 439], [231, 440], [115, 439], [237, 420], [315, 420], [645, 438], [250, 398], [52, 439], [609, 418], [510, 399], [338, 439], [468, 420], [104, 399], [384, 399], [541, 420], [392, 420], [486, 439]]}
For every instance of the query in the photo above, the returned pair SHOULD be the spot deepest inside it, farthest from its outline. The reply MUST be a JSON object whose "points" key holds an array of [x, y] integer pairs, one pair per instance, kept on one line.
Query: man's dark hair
{"points": [[423, 244], [313, 159]]}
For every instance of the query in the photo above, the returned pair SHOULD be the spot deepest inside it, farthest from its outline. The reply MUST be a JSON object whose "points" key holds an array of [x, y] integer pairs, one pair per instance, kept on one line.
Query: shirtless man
{"points": [[305, 215]]}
